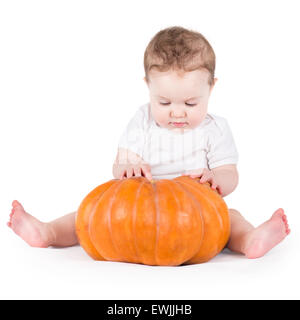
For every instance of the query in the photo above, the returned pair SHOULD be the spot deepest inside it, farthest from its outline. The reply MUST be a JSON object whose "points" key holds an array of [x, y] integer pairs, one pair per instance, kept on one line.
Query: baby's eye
{"points": [[165, 103], [191, 105]]}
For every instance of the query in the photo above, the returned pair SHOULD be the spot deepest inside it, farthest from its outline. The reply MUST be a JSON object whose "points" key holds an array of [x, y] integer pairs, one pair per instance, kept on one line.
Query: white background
{"points": [[71, 78]]}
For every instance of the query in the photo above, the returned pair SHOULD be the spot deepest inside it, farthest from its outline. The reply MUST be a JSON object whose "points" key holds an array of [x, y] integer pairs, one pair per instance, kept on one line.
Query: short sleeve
{"points": [[221, 146], [133, 136]]}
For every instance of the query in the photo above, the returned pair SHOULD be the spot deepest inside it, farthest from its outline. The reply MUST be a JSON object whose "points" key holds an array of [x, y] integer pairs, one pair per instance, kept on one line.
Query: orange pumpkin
{"points": [[162, 222]]}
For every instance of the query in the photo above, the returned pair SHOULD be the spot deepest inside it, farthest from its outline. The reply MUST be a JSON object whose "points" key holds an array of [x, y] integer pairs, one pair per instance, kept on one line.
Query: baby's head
{"points": [[179, 71]]}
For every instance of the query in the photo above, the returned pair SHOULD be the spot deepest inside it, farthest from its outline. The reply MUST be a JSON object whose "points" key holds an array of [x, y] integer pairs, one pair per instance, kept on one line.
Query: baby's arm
{"points": [[129, 164], [226, 177]]}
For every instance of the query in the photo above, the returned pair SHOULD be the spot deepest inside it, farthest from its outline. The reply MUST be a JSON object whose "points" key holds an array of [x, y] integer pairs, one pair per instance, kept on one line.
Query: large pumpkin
{"points": [[162, 222]]}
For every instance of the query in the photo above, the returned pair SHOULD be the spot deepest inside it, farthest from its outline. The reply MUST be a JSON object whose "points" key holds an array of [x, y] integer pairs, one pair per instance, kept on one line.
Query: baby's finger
{"points": [[219, 190], [204, 178], [122, 175], [129, 172], [214, 185], [146, 171], [195, 175], [137, 171]]}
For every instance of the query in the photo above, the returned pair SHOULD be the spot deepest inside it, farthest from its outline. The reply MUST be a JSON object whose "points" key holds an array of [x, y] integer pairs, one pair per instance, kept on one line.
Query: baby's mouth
{"points": [[178, 124]]}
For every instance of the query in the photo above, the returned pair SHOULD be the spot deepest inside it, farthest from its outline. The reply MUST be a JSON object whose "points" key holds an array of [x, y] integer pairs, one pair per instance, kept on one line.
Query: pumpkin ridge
{"points": [[134, 219], [157, 219], [79, 215], [220, 215], [211, 203], [109, 218], [209, 200], [97, 201], [220, 219], [199, 211]]}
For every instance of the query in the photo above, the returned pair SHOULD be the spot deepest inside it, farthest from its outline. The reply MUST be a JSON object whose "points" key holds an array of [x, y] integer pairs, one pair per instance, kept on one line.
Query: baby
{"points": [[172, 135]]}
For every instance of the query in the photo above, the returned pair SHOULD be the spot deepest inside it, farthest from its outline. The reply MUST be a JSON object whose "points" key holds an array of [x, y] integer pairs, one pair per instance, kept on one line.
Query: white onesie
{"points": [[170, 153]]}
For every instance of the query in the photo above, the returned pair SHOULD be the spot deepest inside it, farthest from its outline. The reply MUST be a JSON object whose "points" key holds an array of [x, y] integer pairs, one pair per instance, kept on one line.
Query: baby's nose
{"points": [[178, 112]]}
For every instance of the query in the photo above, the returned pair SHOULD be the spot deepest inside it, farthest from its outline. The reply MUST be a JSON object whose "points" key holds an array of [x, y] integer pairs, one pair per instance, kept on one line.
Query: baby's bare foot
{"points": [[30, 229], [267, 235]]}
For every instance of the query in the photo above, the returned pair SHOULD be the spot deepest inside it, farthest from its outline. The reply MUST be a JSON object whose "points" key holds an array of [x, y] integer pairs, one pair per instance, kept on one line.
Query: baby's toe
{"points": [[284, 218], [287, 229], [279, 213], [16, 204]]}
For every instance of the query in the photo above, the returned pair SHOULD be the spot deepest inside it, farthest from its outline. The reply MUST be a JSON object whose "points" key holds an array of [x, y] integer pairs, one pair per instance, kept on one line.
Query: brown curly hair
{"points": [[177, 48]]}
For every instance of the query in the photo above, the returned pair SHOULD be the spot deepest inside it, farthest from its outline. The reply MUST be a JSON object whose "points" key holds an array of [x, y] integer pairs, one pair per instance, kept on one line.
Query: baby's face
{"points": [[179, 100]]}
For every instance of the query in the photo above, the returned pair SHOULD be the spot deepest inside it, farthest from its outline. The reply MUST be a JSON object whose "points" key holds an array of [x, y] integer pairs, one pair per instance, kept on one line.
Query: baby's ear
{"points": [[145, 80], [212, 86], [215, 80]]}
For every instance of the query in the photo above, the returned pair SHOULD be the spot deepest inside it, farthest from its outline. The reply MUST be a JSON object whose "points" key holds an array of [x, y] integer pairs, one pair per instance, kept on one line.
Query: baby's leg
{"points": [[256, 242], [60, 232]]}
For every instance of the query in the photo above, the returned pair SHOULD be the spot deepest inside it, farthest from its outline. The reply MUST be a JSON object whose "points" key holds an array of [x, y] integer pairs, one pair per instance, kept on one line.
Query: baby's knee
{"points": [[234, 212]]}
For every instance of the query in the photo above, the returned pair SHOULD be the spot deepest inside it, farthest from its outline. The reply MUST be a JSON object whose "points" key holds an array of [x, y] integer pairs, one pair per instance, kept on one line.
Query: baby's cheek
{"points": [[196, 116], [195, 119], [161, 117]]}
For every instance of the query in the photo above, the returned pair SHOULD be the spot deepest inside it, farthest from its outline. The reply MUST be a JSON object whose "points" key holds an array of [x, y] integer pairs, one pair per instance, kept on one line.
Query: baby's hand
{"points": [[206, 175], [135, 170]]}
